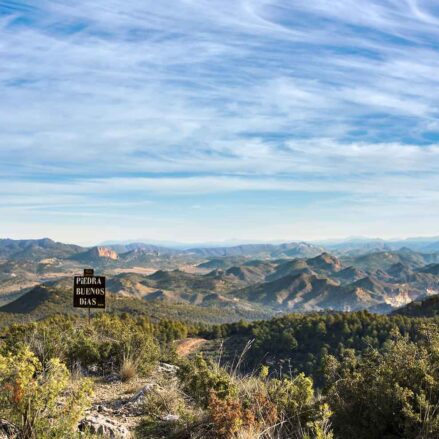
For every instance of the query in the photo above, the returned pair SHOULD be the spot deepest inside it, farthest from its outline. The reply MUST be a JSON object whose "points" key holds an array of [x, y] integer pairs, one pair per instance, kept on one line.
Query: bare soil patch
{"points": [[186, 346]]}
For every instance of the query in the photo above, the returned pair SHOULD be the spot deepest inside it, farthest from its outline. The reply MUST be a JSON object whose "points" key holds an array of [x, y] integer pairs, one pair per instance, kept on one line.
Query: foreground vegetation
{"points": [[339, 375]]}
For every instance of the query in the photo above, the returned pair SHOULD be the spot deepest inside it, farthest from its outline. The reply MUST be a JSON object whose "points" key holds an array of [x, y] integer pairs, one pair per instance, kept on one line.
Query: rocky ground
{"points": [[118, 406]]}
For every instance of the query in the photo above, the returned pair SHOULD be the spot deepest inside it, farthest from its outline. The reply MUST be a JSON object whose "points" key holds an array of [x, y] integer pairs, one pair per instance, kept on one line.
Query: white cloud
{"points": [[184, 97]]}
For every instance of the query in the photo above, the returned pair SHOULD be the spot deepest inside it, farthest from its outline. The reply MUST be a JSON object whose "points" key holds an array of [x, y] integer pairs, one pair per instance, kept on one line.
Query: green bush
{"points": [[83, 349], [201, 377], [388, 394], [125, 338], [42, 402], [103, 344]]}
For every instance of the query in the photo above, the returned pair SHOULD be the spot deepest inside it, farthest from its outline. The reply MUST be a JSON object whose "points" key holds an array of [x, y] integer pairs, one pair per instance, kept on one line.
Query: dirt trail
{"points": [[188, 345]]}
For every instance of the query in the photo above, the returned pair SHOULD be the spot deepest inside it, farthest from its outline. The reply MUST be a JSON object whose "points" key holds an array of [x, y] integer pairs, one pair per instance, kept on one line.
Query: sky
{"points": [[218, 120]]}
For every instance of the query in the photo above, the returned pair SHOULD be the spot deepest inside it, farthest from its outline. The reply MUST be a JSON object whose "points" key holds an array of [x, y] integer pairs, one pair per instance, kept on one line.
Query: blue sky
{"points": [[217, 120]]}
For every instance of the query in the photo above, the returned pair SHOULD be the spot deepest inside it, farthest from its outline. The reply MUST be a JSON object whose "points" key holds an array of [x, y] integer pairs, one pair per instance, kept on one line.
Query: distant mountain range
{"points": [[139, 253], [34, 249], [422, 244], [366, 245], [260, 278]]}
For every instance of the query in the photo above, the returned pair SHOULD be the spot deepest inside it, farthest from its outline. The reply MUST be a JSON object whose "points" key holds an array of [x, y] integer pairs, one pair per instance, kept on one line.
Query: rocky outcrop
{"points": [[96, 254], [104, 426], [104, 252]]}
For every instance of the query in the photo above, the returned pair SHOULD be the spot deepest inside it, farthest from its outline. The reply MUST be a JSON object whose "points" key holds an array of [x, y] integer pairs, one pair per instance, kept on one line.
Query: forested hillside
{"points": [[297, 343]]}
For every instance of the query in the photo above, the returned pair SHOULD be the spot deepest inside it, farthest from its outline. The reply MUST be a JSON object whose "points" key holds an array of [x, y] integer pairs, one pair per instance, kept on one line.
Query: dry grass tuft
{"points": [[128, 370]]}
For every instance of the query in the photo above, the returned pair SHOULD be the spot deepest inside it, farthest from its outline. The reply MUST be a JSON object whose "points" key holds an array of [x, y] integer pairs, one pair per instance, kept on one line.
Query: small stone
{"points": [[171, 418], [112, 378], [168, 368]]}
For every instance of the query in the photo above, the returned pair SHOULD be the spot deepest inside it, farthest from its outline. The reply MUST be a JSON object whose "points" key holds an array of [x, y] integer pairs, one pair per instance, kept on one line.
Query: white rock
{"points": [[106, 427], [140, 395], [171, 418], [169, 368]]}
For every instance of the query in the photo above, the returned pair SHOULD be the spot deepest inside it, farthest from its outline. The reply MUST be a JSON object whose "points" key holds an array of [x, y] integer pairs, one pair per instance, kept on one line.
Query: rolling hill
{"points": [[430, 269], [384, 260], [301, 249], [308, 292], [44, 301], [36, 249]]}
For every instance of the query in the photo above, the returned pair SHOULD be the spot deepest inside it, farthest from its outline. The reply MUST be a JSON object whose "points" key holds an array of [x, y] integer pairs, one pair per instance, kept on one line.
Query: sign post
{"points": [[89, 291]]}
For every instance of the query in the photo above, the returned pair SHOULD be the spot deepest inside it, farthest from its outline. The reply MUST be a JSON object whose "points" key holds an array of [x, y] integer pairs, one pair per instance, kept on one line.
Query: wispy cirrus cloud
{"points": [[110, 102]]}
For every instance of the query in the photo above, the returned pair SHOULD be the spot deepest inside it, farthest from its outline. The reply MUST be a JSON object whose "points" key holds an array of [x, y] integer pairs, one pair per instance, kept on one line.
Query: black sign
{"points": [[89, 290]]}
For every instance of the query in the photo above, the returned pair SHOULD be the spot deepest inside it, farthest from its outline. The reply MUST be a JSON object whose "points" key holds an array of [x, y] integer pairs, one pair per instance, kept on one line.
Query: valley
{"points": [[248, 281]]}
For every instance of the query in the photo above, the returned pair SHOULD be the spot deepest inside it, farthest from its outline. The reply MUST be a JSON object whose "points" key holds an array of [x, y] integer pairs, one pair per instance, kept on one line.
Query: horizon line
{"points": [[228, 243]]}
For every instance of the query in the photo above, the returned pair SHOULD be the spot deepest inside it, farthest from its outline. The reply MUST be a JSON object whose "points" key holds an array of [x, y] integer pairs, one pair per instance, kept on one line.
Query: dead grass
{"points": [[128, 370]]}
